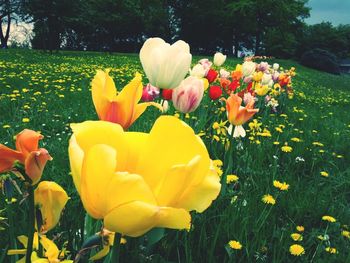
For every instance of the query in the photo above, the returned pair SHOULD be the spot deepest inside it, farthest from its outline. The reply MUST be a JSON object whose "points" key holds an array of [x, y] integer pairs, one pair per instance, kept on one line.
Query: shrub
{"points": [[322, 60]]}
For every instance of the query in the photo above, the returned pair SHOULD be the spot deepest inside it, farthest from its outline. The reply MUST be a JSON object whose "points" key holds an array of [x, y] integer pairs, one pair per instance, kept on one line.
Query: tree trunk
{"points": [[4, 38]]}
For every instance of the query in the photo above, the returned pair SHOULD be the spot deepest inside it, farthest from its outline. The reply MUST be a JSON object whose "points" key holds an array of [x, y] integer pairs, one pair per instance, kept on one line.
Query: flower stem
{"points": [[116, 248], [31, 222], [13, 244]]}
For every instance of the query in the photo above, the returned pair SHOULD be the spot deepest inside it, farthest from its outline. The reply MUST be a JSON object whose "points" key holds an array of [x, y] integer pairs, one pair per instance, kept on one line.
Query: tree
{"points": [[9, 10]]}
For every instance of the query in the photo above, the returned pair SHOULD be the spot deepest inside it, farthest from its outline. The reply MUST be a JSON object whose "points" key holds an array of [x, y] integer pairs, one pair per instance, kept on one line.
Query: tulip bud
{"points": [[263, 66], [276, 66], [248, 68], [188, 95], [212, 75], [149, 92], [266, 78], [35, 164], [165, 106], [219, 59], [198, 71], [50, 198], [275, 76], [165, 65], [224, 73], [167, 94], [206, 65], [215, 92]]}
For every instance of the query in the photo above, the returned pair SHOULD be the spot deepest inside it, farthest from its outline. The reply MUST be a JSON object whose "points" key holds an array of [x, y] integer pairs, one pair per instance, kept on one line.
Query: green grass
{"points": [[52, 90]]}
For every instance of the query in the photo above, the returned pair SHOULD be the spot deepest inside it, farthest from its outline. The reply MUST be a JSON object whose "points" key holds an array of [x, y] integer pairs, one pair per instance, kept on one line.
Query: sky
{"points": [[334, 11]]}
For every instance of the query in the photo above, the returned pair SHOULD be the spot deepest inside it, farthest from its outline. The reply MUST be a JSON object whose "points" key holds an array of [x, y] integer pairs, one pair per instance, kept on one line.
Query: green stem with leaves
{"points": [[31, 223]]}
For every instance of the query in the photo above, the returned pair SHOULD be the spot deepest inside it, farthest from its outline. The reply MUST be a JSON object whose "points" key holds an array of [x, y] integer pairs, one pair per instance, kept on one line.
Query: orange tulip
{"points": [[27, 153], [238, 115], [122, 108]]}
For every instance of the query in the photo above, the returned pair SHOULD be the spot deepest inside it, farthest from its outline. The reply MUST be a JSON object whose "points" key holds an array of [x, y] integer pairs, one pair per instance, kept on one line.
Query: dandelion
{"points": [[276, 143], [286, 148], [324, 174], [6, 126], [330, 219], [318, 144], [235, 244], [295, 139], [281, 186], [231, 178], [25, 120], [296, 237], [278, 129], [331, 250], [268, 199], [300, 228], [296, 250], [345, 233]]}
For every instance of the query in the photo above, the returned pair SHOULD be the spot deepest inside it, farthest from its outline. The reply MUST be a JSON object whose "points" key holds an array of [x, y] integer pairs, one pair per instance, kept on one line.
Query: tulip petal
{"points": [[8, 157], [199, 197], [76, 156], [147, 60], [27, 141], [166, 144], [103, 92], [127, 100], [51, 199], [35, 164], [51, 250], [102, 253], [100, 181], [136, 218]]}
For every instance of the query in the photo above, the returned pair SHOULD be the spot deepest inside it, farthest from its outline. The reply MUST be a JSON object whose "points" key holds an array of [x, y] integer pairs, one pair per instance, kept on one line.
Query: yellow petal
{"points": [[104, 189], [103, 92], [11, 252], [127, 100], [51, 249], [51, 199], [141, 107], [168, 138], [76, 156], [136, 218], [199, 197], [23, 240], [102, 253]]}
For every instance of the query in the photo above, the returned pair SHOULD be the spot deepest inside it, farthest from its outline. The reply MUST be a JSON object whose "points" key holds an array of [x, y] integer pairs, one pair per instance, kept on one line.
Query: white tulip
{"points": [[224, 73], [276, 66], [165, 65], [248, 68], [266, 79], [198, 71], [219, 59]]}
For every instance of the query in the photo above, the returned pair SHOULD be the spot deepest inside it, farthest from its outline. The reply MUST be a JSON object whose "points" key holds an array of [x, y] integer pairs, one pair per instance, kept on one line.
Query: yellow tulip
{"points": [[122, 108], [261, 90], [137, 181], [50, 199]]}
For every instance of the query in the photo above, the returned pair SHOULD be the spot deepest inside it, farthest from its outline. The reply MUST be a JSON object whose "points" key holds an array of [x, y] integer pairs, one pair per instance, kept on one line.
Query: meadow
{"points": [[47, 92]]}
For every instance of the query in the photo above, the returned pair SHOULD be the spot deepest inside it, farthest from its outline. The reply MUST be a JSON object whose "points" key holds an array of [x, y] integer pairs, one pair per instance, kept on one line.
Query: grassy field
{"points": [[46, 92]]}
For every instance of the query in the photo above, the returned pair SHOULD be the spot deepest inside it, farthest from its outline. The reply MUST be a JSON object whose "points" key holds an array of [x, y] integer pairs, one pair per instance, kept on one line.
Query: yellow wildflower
{"points": [[296, 250], [282, 186], [329, 219], [324, 173], [331, 250], [235, 244], [345, 233], [286, 148], [231, 178], [268, 199], [296, 237], [300, 228]]}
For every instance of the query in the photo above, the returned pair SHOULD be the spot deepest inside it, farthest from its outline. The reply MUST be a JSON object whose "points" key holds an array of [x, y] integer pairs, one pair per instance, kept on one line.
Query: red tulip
{"points": [[212, 75], [167, 94], [215, 92]]}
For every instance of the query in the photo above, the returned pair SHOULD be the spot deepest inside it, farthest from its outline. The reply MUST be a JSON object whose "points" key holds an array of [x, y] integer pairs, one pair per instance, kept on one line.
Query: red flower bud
{"points": [[167, 94], [215, 92], [211, 75]]}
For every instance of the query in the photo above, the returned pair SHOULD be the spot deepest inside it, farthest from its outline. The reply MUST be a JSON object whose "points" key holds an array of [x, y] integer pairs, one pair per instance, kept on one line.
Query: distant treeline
{"points": [[266, 27]]}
